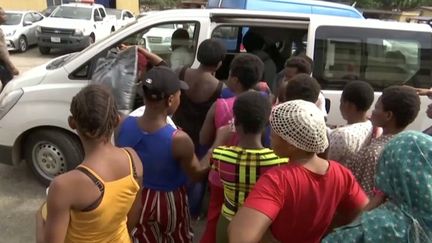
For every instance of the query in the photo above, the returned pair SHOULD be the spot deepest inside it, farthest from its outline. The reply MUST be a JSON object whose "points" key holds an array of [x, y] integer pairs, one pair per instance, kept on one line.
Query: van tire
{"points": [[44, 50], [51, 152]]}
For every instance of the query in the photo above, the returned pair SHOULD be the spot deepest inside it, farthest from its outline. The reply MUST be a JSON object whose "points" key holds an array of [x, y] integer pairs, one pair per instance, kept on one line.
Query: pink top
{"points": [[223, 116]]}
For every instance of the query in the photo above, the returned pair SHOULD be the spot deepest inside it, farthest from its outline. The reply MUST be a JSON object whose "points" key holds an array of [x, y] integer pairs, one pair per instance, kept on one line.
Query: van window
{"points": [[380, 57], [279, 45]]}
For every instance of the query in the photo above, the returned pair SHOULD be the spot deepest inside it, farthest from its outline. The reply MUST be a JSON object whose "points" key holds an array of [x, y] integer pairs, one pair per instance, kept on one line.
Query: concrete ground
{"points": [[21, 194]]}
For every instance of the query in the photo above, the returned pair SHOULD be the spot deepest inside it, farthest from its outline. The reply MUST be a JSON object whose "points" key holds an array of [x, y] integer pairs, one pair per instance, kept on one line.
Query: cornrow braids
{"points": [[95, 112]]}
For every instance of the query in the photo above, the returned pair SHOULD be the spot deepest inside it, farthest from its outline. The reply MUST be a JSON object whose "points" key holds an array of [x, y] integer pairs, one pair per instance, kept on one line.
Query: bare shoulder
{"points": [[67, 184], [182, 144], [136, 160]]}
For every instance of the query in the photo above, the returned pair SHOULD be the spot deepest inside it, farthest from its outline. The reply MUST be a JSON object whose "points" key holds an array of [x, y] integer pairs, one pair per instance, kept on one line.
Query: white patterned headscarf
{"points": [[301, 124]]}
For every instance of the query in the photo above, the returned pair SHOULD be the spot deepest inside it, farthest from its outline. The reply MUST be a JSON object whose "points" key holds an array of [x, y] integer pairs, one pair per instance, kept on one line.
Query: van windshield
{"points": [[68, 12]]}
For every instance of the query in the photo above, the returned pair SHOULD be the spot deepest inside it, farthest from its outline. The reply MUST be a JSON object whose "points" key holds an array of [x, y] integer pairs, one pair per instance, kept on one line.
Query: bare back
{"points": [[202, 86]]}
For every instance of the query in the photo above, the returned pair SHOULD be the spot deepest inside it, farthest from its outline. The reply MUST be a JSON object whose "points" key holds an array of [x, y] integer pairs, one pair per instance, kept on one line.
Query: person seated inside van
{"points": [[182, 54], [254, 44]]}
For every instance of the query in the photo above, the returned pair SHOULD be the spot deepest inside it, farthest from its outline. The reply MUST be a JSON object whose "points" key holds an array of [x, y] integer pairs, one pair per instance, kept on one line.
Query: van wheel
{"points": [[44, 50], [51, 152], [22, 44]]}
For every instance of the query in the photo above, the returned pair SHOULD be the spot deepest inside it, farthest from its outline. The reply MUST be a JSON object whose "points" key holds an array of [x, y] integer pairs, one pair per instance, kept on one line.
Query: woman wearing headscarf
{"points": [[405, 177]]}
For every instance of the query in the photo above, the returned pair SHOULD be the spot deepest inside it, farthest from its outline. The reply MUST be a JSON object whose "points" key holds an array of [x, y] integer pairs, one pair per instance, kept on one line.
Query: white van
{"points": [[34, 107]]}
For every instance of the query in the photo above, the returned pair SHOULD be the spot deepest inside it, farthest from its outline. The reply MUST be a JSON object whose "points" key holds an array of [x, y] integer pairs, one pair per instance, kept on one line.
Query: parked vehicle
{"points": [[123, 17], [74, 26], [48, 11], [20, 29], [293, 6], [35, 106]]}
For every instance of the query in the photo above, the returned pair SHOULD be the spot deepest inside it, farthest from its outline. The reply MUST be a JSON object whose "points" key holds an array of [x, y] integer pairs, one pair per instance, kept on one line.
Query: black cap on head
{"points": [[161, 82]]}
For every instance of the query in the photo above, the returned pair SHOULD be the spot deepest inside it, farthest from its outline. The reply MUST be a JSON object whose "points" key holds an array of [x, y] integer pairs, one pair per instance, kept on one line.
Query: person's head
{"points": [[3, 17], [253, 41], [357, 97], [162, 88], [301, 87], [179, 38], [398, 106], [404, 173], [251, 112], [245, 72], [298, 126], [94, 113], [211, 53], [296, 65]]}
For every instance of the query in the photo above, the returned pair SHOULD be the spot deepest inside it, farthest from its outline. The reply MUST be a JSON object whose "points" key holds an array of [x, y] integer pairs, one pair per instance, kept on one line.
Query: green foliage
{"points": [[160, 3], [393, 4]]}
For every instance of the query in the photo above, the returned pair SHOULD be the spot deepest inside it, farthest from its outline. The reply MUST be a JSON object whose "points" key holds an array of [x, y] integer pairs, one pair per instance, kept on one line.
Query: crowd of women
{"points": [[274, 170]]}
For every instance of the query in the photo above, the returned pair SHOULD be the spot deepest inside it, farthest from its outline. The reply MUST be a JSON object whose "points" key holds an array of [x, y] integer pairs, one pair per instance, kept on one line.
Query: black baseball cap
{"points": [[160, 82]]}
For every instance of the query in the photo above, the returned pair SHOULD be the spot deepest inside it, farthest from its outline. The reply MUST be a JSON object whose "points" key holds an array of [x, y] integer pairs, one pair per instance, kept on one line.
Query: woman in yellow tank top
{"points": [[92, 202]]}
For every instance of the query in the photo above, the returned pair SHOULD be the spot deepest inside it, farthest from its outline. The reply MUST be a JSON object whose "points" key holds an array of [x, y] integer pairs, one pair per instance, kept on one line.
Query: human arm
{"points": [[248, 225], [183, 151], [59, 202], [352, 204], [207, 133], [427, 92], [262, 206], [154, 59], [135, 211], [378, 198], [4, 55]]}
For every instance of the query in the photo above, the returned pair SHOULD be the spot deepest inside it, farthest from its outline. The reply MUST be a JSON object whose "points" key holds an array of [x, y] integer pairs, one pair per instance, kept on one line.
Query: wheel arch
{"points": [[18, 147]]}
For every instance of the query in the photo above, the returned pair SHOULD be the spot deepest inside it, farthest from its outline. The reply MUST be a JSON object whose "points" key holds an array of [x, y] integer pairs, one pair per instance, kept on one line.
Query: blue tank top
{"points": [[161, 171]]}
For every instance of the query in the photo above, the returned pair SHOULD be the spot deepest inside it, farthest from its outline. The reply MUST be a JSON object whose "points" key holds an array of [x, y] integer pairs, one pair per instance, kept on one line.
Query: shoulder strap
{"points": [[96, 181], [218, 91], [132, 163]]}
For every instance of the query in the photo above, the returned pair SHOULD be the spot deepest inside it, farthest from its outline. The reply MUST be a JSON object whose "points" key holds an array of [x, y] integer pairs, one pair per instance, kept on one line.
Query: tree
{"points": [[393, 4]]}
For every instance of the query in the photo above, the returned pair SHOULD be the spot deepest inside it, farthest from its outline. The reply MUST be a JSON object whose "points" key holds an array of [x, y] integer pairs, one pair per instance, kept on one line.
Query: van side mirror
{"points": [[27, 23]]}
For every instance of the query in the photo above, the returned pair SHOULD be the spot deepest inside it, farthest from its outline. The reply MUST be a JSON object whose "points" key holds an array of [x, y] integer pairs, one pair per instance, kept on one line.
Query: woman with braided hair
{"points": [[93, 202]]}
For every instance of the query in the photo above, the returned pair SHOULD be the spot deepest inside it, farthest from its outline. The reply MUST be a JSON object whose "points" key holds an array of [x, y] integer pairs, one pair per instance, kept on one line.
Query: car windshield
{"points": [[115, 12], [72, 13], [13, 18]]}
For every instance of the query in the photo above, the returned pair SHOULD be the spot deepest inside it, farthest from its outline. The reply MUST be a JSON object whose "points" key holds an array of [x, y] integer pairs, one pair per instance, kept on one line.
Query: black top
{"points": [[190, 116]]}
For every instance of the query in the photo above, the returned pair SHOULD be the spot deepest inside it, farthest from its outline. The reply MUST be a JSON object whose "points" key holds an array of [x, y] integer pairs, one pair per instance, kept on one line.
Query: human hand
{"points": [[223, 135], [14, 71]]}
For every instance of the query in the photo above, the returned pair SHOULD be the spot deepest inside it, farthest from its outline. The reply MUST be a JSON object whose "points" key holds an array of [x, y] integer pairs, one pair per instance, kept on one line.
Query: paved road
{"points": [[20, 193]]}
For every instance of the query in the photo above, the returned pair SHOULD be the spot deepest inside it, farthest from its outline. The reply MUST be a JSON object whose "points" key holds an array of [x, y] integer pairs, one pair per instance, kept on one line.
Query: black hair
{"points": [[179, 35], [248, 69], [253, 41], [95, 112], [211, 52], [359, 93], [403, 102], [252, 111], [302, 65], [302, 87]]}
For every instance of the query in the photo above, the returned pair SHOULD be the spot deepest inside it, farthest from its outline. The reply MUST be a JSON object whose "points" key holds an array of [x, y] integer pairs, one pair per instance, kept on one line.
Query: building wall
{"points": [[131, 5], [23, 4]]}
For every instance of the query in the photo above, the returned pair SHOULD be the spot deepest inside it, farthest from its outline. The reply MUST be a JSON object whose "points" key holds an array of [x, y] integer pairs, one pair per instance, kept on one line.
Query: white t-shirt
{"points": [[347, 141], [140, 111]]}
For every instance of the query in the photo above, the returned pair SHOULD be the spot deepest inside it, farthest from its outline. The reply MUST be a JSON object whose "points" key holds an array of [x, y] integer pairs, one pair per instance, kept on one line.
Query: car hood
{"points": [[31, 77], [64, 23], [8, 28]]}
